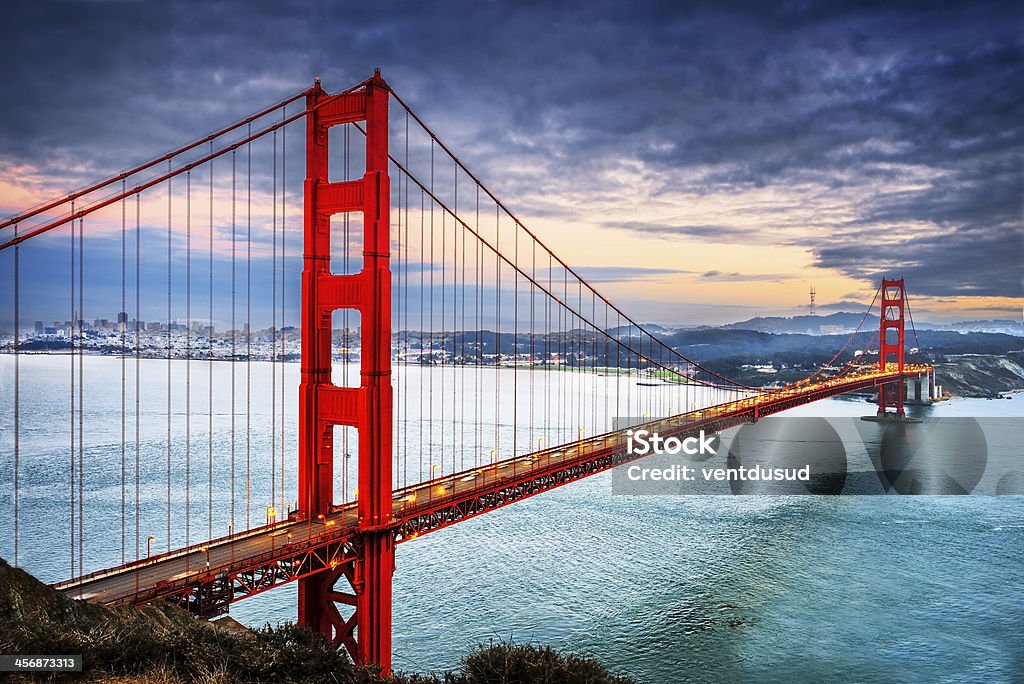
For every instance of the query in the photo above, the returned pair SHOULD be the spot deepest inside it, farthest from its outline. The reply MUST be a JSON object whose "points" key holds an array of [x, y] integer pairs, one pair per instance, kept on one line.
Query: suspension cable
{"points": [[501, 257], [910, 315], [150, 164], [498, 206], [433, 136], [112, 199], [849, 340]]}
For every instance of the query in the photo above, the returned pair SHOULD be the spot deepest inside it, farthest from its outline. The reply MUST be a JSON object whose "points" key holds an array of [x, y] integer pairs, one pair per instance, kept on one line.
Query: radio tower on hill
{"points": [[811, 308]]}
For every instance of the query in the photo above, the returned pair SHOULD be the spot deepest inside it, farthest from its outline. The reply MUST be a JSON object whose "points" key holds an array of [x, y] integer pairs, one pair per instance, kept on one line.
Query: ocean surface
{"points": [[664, 588]]}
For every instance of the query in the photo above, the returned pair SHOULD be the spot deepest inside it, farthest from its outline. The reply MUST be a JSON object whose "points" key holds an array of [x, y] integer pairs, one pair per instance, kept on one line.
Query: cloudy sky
{"points": [[702, 162]]}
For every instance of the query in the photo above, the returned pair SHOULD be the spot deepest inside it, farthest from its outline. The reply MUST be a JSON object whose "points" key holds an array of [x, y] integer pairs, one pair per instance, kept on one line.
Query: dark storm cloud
{"points": [[543, 99], [970, 262]]}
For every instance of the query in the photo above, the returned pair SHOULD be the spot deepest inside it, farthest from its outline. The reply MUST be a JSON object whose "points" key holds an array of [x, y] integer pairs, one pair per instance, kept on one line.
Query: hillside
{"points": [[958, 356], [162, 644]]}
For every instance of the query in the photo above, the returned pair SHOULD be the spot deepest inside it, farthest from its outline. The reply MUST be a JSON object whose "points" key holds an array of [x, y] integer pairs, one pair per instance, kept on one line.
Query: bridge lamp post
{"points": [[309, 526], [433, 469], [206, 549], [149, 546], [231, 529]]}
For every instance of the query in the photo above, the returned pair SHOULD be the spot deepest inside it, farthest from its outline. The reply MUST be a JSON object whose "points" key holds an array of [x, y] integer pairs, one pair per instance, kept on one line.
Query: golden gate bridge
{"points": [[481, 370]]}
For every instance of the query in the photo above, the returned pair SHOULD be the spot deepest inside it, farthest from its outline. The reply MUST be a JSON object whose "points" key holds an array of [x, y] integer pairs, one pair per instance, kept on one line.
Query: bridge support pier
{"points": [[366, 630]]}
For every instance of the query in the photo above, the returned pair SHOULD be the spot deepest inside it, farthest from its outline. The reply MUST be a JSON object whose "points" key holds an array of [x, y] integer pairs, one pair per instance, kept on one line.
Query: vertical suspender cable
{"points": [[17, 393], [234, 336], [405, 314], [465, 366], [532, 346], [456, 443], [423, 265], [396, 317], [396, 307], [443, 396], [81, 391], [448, 292], [273, 326], [122, 324], [188, 356], [169, 327], [248, 333], [72, 327], [284, 270], [580, 374], [430, 303], [598, 424], [461, 399], [138, 363], [515, 346], [497, 334], [209, 368], [478, 276], [547, 356]]}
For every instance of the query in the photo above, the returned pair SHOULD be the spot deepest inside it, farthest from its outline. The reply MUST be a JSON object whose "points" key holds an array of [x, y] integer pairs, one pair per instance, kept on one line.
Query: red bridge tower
{"points": [[366, 633], [890, 342]]}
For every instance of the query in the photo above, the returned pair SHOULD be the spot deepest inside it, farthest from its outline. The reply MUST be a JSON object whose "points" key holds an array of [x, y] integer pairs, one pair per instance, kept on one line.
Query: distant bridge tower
{"points": [[890, 342], [811, 309]]}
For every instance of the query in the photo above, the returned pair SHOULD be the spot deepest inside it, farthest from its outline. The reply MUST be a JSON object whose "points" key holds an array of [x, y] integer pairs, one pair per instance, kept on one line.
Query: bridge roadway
{"points": [[206, 578]]}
